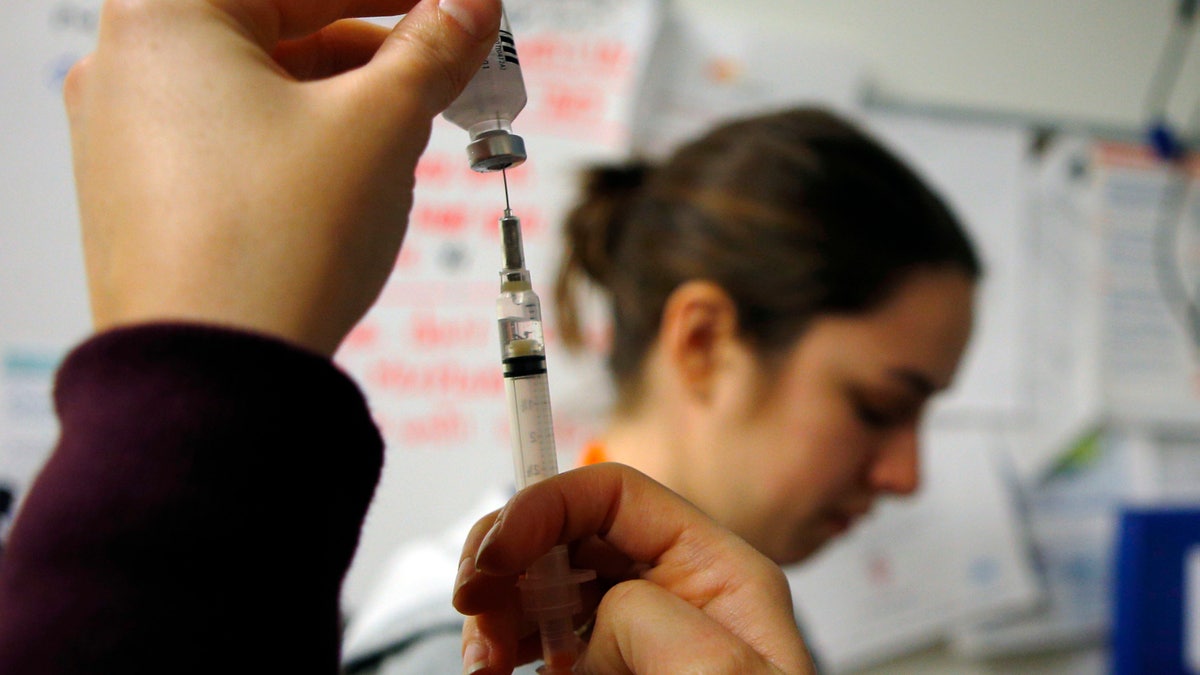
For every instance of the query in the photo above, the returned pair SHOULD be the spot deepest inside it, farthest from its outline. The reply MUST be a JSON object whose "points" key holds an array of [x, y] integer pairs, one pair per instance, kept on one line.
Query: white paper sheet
{"points": [[1149, 367], [703, 73], [916, 568], [1065, 397], [980, 169], [1071, 520]]}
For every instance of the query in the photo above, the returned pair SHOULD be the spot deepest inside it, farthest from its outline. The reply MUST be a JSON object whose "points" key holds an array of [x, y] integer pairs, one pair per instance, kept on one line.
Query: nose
{"points": [[896, 469]]}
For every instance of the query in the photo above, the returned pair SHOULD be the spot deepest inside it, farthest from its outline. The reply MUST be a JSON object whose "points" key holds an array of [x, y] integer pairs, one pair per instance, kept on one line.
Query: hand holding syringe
{"points": [[486, 109]]}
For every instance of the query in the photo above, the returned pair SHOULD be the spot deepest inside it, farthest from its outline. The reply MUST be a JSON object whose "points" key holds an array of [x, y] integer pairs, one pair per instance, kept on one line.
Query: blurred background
{"points": [[1057, 528]]}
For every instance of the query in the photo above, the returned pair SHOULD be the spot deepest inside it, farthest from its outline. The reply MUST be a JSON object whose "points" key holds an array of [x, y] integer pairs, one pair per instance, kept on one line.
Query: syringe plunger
{"points": [[550, 594]]}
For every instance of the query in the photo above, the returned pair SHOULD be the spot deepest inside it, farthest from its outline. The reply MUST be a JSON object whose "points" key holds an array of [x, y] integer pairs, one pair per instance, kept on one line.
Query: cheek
{"points": [[822, 449]]}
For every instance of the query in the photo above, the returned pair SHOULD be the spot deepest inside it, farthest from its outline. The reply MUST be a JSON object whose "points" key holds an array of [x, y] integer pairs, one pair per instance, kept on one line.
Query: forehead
{"points": [[923, 327]]}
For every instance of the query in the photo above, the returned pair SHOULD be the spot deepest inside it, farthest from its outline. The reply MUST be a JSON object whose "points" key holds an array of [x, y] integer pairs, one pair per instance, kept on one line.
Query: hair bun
{"points": [[592, 232]]}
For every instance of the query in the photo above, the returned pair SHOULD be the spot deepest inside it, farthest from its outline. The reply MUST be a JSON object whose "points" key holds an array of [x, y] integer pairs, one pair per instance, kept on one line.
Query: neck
{"points": [[642, 442]]}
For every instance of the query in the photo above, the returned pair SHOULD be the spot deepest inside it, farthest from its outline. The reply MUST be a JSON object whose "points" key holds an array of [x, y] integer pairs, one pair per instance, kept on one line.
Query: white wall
{"points": [[1085, 60]]}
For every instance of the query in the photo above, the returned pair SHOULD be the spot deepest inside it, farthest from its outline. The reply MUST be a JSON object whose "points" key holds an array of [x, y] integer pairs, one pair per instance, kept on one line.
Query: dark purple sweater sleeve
{"points": [[199, 512]]}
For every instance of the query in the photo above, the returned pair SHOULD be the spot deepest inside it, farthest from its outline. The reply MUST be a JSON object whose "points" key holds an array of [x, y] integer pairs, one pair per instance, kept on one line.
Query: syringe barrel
{"points": [[523, 353], [534, 455], [550, 588], [490, 103]]}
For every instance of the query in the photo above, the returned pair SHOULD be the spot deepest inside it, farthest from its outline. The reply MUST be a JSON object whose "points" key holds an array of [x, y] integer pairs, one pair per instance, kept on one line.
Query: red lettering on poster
{"points": [[402, 378], [443, 428], [582, 56], [613, 55], [440, 218], [567, 104], [431, 332]]}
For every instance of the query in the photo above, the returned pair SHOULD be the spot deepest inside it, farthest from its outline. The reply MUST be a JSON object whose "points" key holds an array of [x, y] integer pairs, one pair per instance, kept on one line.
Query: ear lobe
{"points": [[699, 326]]}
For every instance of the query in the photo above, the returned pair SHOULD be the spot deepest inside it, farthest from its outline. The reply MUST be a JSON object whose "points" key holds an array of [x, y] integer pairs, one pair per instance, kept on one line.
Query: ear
{"points": [[699, 328]]}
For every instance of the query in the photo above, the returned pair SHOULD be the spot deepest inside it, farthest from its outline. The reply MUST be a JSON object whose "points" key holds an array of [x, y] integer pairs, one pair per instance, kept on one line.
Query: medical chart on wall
{"points": [[1147, 218], [1112, 247], [428, 354]]}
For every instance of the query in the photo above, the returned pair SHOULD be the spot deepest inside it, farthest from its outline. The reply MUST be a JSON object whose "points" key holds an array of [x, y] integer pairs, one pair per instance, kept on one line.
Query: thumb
{"points": [[437, 48]]}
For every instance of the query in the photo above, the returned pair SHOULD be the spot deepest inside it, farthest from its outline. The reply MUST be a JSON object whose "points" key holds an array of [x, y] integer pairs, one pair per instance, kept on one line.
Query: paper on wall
{"points": [[1071, 520], [1145, 210], [1109, 340], [702, 72], [902, 579], [28, 424], [427, 354], [980, 170], [1065, 398]]}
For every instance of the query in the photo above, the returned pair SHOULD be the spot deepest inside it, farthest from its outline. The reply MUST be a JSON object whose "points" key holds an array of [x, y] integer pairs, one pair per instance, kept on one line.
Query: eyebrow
{"points": [[918, 382]]}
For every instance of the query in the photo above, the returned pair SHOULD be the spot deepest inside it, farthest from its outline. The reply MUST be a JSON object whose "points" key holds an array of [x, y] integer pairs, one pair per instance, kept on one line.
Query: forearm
{"points": [[202, 505]]}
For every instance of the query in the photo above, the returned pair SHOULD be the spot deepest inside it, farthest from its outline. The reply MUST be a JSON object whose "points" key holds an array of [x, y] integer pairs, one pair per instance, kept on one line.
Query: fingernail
{"points": [[475, 657], [477, 17], [485, 543], [466, 568]]}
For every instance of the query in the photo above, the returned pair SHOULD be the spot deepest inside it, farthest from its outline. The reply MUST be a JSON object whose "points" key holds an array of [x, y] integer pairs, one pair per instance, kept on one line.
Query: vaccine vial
{"points": [[489, 104]]}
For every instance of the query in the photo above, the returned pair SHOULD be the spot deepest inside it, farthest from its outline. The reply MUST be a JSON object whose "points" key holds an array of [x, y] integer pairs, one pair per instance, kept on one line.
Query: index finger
{"points": [[622, 506]]}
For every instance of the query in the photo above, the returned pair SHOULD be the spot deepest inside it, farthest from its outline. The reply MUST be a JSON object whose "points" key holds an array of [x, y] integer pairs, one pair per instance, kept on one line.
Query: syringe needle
{"points": [[507, 208]]}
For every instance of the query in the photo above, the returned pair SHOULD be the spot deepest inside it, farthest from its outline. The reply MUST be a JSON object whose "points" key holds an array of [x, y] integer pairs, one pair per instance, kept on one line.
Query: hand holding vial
{"points": [[250, 163]]}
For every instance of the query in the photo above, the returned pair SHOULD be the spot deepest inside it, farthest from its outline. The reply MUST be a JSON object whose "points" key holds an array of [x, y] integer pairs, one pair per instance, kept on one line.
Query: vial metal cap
{"points": [[496, 150]]}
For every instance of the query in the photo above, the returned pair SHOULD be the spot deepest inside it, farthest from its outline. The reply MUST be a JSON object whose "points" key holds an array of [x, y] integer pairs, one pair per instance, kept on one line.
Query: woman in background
{"points": [[786, 296], [244, 170]]}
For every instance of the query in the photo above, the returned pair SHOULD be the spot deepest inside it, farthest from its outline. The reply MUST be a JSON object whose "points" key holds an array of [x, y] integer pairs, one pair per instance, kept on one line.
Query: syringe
{"points": [[486, 109], [550, 589]]}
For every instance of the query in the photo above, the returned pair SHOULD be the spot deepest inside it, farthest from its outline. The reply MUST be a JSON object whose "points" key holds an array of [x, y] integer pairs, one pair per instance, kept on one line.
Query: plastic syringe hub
{"points": [[550, 595]]}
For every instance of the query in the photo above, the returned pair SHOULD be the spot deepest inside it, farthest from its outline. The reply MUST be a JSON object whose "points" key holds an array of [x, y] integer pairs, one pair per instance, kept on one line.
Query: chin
{"points": [[800, 551]]}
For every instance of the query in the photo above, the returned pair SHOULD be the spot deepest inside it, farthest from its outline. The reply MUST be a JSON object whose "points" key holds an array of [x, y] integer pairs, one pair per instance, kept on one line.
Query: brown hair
{"points": [[795, 214]]}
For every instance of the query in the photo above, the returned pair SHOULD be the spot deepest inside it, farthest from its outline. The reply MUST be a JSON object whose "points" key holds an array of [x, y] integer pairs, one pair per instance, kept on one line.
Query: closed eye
{"points": [[880, 416]]}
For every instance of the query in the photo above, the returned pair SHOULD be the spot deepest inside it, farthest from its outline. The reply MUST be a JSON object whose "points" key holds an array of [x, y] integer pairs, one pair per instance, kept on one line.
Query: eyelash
{"points": [[879, 420], [872, 418]]}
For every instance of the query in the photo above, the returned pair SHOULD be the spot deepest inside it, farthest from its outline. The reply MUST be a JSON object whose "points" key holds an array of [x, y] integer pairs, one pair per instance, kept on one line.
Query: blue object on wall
{"points": [[1150, 609]]}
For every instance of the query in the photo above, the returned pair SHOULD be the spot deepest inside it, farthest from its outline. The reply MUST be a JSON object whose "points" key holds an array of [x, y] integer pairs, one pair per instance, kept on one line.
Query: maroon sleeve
{"points": [[199, 512]]}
